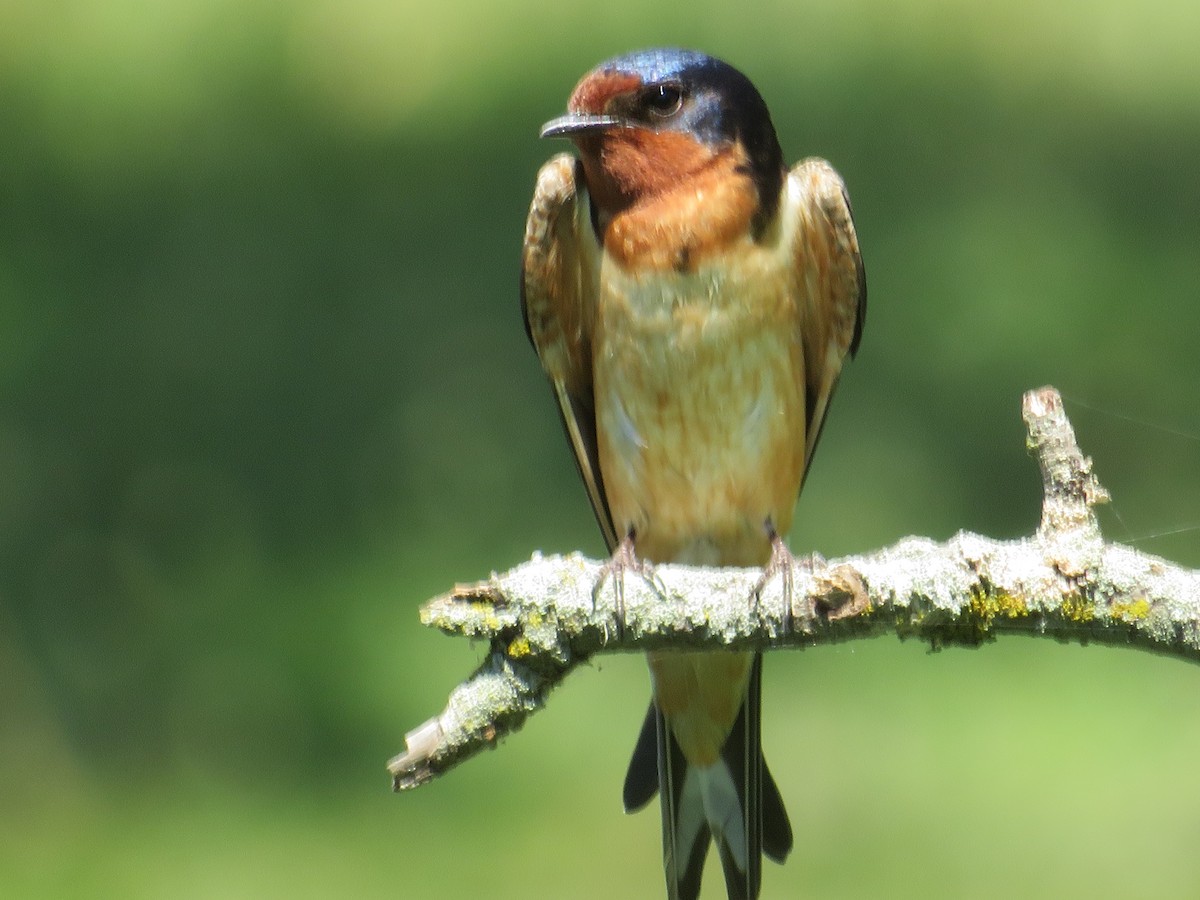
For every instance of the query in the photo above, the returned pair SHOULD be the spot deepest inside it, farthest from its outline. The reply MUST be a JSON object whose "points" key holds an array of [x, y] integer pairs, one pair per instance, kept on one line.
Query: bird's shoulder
{"points": [[557, 309], [817, 230]]}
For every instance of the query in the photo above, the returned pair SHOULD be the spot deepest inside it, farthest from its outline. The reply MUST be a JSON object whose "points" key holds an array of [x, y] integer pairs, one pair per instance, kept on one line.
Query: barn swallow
{"points": [[692, 301]]}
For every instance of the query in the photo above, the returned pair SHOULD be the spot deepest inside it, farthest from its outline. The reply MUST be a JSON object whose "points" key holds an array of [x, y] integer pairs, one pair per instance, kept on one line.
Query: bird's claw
{"points": [[781, 563], [624, 559]]}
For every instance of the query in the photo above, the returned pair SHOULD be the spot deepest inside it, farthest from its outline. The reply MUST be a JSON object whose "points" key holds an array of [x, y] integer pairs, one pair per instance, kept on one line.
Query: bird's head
{"points": [[646, 121]]}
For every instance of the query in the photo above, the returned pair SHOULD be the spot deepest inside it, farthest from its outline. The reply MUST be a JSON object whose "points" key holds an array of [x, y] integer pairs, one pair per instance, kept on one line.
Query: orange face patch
{"points": [[694, 204], [627, 166], [595, 91], [644, 162]]}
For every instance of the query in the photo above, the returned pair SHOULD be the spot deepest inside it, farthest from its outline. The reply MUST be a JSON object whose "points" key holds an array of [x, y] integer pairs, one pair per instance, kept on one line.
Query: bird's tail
{"points": [[734, 801]]}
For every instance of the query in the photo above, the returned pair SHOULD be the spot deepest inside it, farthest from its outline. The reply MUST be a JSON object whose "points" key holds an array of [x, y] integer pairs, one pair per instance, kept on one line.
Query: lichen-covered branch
{"points": [[548, 615]]}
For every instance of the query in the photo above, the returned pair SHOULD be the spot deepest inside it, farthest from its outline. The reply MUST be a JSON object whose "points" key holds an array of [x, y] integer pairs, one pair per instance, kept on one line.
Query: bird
{"points": [[691, 300]]}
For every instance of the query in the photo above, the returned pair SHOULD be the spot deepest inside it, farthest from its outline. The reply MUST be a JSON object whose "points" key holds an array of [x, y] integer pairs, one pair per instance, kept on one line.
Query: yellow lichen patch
{"points": [[988, 606], [1077, 609], [487, 615], [1130, 610], [1009, 605], [519, 647]]}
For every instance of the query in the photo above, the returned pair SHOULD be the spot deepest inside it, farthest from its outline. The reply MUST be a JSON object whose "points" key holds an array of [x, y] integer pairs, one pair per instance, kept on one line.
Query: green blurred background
{"points": [[264, 389]]}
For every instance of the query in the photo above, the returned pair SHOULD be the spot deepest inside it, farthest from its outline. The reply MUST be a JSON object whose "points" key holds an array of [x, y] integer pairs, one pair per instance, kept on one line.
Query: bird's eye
{"points": [[663, 100]]}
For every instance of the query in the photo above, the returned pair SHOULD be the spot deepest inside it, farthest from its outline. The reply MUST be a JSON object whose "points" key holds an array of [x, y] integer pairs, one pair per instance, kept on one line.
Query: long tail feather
{"points": [[735, 801]]}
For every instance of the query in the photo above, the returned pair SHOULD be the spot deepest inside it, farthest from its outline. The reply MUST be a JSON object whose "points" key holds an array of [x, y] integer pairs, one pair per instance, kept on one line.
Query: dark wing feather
{"points": [[830, 283], [558, 301]]}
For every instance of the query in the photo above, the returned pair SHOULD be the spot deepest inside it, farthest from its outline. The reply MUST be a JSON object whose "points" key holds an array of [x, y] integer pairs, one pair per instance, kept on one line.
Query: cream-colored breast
{"points": [[700, 405]]}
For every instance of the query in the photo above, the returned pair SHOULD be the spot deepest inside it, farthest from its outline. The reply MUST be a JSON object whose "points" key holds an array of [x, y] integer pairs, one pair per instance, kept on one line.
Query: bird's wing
{"points": [[830, 283], [558, 300]]}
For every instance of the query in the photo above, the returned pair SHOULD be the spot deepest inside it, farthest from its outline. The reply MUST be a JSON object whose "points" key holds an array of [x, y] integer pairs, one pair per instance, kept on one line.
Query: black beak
{"points": [[577, 123]]}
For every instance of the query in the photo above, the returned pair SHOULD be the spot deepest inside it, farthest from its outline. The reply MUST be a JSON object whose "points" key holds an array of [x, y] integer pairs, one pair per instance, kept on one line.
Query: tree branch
{"points": [[545, 617]]}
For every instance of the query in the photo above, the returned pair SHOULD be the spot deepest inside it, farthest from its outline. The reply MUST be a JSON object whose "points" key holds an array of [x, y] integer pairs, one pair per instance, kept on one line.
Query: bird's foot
{"points": [[782, 563], [624, 559]]}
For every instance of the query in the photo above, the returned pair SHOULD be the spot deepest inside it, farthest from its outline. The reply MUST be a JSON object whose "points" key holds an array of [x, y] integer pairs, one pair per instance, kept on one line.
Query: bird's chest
{"points": [[674, 349], [699, 408]]}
